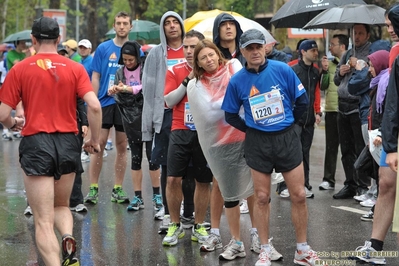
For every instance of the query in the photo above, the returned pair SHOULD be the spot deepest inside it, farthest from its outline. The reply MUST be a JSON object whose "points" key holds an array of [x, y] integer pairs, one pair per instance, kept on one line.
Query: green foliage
{"points": [[117, 5], [243, 7]]}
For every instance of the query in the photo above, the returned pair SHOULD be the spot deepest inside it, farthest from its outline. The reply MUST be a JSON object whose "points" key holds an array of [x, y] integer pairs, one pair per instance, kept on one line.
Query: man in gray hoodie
{"points": [[156, 116], [349, 126]]}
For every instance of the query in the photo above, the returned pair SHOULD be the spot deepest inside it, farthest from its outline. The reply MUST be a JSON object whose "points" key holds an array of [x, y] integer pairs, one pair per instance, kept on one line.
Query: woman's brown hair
{"points": [[199, 71]]}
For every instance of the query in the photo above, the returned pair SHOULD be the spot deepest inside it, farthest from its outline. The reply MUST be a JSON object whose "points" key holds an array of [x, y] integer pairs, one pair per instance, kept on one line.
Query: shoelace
{"points": [[157, 199], [171, 230], [201, 230], [136, 200], [212, 239], [263, 256], [367, 246]]}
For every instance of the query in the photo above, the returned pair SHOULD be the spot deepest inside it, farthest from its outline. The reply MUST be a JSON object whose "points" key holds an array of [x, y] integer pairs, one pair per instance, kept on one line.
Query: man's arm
{"points": [[236, 121], [95, 82], [94, 115]]}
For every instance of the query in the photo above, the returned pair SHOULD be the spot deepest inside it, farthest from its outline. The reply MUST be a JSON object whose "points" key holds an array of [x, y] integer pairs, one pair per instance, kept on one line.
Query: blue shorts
{"points": [[383, 159]]}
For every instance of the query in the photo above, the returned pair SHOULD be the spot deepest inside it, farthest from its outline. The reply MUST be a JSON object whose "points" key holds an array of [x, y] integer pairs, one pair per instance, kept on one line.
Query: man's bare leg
{"points": [[383, 212], [96, 160], [299, 211], [42, 205], [262, 183], [201, 201], [174, 197]]}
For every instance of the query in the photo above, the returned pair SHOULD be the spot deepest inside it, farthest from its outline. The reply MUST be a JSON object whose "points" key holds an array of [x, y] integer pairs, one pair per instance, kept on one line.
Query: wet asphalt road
{"points": [[109, 235]]}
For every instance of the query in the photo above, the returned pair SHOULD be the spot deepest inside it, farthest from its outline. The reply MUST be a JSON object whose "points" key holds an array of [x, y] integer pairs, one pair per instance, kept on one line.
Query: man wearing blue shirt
{"points": [[273, 99], [104, 66], [84, 50]]}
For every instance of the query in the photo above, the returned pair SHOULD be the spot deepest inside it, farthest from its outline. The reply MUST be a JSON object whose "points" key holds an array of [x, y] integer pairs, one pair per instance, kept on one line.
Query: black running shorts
{"points": [[184, 150], [265, 151], [46, 154], [112, 117]]}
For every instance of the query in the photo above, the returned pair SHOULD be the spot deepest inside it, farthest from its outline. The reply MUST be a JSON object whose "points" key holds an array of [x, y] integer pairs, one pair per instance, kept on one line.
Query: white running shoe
{"points": [[244, 206]]}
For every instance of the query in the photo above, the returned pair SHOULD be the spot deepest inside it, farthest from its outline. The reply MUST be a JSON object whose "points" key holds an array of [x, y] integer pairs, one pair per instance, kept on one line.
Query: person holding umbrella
{"points": [[349, 125]]}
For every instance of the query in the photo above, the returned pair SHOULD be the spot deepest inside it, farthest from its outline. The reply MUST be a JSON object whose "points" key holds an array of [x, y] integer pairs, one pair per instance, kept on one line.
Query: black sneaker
{"points": [[68, 251], [368, 217]]}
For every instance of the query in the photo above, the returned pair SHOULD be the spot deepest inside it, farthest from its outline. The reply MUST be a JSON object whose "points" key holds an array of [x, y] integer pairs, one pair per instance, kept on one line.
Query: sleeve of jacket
{"points": [[337, 77], [148, 81], [316, 105], [359, 83], [82, 112], [390, 119]]}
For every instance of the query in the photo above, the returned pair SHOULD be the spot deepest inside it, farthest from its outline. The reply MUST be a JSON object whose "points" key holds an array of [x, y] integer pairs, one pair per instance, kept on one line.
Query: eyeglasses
{"points": [[333, 44]]}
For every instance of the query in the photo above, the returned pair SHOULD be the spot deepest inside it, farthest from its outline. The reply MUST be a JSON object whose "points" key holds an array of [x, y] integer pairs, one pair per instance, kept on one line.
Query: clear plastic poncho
{"points": [[222, 144]]}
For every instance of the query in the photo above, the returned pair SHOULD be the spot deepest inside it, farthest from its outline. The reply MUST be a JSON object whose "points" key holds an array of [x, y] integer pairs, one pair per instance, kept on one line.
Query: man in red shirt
{"points": [[47, 85], [184, 148]]}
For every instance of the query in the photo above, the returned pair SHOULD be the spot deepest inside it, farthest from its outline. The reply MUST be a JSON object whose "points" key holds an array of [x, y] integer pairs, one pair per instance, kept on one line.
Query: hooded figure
{"points": [[131, 104], [222, 17], [154, 82]]}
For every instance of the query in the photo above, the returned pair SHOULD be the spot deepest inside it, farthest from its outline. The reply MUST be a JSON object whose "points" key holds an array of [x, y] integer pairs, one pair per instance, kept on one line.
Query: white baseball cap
{"points": [[86, 43]]}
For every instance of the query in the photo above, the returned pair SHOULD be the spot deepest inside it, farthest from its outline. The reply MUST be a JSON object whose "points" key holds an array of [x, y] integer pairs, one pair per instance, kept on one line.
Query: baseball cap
{"points": [[252, 36], [306, 45], [45, 28], [71, 44], [86, 43]]}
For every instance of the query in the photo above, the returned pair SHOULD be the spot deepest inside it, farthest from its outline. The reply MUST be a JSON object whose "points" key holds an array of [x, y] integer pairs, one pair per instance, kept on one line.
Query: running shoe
{"points": [[119, 195], [28, 211], [368, 217], [84, 157], [274, 254], [163, 229], [174, 233], [368, 203], [285, 193], [255, 243], [187, 222], [211, 243], [68, 251], [325, 185], [79, 208], [160, 214], [109, 146], [92, 196], [263, 259], [233, 250], [157, 202], [244, 206], [136, 204], [369, 257], [308, 257], [199, 234]]}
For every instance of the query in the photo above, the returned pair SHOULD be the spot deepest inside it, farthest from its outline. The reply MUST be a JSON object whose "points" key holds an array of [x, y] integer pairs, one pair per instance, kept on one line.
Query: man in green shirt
{"points": [[72, 46], [17, 55]]}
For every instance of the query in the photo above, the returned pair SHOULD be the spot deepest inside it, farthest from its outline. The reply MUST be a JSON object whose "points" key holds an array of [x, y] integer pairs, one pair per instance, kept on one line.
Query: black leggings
{"points": [[136, 149]]}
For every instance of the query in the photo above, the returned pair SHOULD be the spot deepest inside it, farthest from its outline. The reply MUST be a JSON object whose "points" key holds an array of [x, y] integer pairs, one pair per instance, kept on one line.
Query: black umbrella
{"points": [[297, 13]]}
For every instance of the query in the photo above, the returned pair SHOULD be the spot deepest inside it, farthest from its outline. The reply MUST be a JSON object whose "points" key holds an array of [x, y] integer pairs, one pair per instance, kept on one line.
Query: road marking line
{"points": [[349, 209]]}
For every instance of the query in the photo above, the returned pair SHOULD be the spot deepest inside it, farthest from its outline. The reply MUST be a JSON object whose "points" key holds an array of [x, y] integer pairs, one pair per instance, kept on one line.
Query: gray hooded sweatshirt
{"points": [[153, 81]]}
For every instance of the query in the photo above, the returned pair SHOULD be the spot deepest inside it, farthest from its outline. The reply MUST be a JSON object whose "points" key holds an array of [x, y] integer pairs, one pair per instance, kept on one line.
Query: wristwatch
{"points": [[320, 114]]}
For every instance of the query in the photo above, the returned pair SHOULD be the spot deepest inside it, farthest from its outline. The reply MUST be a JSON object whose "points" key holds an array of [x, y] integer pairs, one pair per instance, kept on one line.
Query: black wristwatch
{"points": [[185, 81]]}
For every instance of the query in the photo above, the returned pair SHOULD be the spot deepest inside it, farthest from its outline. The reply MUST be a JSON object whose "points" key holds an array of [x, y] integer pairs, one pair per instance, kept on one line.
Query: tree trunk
{"points": [[55, 4], [92, 22], [3, 19], [137, 8], [203, 5]]}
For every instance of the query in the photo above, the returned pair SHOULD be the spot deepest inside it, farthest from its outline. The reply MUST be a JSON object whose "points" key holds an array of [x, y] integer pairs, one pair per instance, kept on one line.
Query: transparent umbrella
{"points": [[206, 27]]}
